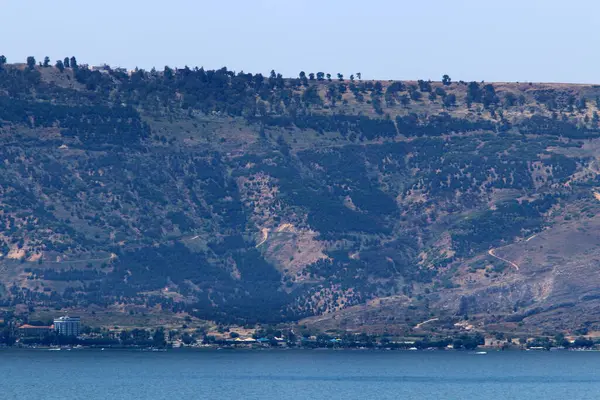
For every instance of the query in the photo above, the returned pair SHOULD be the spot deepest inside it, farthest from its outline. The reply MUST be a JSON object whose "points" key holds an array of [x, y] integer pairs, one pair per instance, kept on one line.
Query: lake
{"points": [[297, 374]]}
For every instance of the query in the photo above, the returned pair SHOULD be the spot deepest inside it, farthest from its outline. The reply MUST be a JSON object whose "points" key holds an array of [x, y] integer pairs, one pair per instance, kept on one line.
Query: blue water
{"points": [[307, 374]]}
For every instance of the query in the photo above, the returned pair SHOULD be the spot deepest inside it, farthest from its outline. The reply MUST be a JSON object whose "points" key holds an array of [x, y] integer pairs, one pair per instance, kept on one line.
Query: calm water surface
{"points": [[308, 374]]}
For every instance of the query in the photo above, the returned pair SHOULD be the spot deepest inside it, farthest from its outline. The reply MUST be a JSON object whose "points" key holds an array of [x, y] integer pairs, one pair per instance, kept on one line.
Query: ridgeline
{"points": [[192, 196]]}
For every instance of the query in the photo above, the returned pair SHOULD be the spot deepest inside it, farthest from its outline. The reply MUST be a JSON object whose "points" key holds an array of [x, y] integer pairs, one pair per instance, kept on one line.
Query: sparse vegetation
{"points": [[393, 187]]}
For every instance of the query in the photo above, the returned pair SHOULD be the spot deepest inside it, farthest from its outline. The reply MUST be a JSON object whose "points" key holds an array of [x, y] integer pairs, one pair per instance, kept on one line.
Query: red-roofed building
{"points": [[32, 330]]}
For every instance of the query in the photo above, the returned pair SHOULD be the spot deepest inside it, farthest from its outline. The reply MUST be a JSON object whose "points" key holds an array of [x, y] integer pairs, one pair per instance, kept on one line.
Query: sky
{"points": [[491, 40]]}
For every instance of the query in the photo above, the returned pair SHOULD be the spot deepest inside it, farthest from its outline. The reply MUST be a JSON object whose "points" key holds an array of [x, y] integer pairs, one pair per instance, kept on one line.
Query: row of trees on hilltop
{"points": [[321, 76], [255, 96], [71, 62], [68, 62]]}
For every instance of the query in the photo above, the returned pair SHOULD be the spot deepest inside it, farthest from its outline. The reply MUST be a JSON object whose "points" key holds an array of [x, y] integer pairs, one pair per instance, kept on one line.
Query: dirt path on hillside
{"points": [[281, 228], [111, 257], [4, 267], [418, 326], [491, 253], [265, 233]]}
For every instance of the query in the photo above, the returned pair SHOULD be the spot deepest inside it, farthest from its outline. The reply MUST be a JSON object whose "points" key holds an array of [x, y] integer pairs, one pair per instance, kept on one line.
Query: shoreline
{"points": [[477, 351]]}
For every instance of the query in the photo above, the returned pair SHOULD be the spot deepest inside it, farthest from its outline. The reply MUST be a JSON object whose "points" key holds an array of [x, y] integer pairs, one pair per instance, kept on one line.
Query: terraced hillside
{"points": [[343, 204]]}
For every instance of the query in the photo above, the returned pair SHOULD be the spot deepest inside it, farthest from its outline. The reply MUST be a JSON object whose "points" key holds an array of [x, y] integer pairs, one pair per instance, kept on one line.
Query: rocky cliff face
{"points": [[347, 205]]}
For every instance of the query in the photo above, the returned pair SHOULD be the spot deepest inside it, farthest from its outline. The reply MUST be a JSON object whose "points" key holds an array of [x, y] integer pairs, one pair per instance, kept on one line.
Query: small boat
{"points": [[54, 349], [481, 352]]}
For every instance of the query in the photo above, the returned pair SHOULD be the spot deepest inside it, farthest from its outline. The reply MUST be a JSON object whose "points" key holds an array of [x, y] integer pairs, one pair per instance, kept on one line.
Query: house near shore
{"points": [[246, 340], [34, 330]]}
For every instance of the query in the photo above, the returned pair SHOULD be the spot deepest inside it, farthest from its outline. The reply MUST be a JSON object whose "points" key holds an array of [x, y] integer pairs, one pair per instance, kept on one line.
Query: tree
{"points": [[7, 337], [311, 96], [340, 77], [2, 61], [510, 99], [396, 87], [446, 80], [279, 81], [352, 78], [581, 104], [158, 338], [272, 79], [378, 87], [303, 78], [31, 62], [570, 103], [67, 62], [187, 339], [331, 94], [404, 100], [424, 86], [329, 77], [124, 336], [74, 63], [320, 76], [60, 65], [471, 342], [450, 100], [414, 93], [560, 340], [489, 96], [473, 93], [311, 76], [168, 73], [261, 107], [583, 342], [376, 101], [359, 75], [440, 92], [46, 62]]}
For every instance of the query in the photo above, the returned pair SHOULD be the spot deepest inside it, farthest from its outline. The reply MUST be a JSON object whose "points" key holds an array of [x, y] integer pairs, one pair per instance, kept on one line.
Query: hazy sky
{"points": [[492, 40]]}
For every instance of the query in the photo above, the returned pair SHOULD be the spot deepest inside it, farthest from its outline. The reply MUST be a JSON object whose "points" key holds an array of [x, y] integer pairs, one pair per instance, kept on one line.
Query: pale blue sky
{"points": [[492, 40]]}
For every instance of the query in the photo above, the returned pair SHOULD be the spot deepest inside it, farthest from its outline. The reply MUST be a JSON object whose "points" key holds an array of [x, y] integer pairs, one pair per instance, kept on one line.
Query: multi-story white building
{"points": [[67, 326]]}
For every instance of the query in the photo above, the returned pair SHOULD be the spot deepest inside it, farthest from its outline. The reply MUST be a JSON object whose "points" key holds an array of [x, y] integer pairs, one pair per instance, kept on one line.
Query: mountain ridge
{"points": [[243, 199]]}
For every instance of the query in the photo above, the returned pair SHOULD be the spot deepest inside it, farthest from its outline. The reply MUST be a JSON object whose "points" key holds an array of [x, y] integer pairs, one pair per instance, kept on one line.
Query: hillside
{"points": [[153, 197]]}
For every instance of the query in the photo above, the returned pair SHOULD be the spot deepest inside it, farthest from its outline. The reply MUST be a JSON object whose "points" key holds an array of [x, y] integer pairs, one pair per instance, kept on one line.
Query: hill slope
{"points": [[359, 205]]}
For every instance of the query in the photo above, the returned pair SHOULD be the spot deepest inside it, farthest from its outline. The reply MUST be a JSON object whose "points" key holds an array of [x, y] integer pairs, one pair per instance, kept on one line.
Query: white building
{"points": [[67, 326]]}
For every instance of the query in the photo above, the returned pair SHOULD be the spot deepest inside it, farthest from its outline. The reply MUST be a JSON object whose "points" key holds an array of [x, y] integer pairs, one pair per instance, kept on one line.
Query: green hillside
{"points": [[238, 198]]}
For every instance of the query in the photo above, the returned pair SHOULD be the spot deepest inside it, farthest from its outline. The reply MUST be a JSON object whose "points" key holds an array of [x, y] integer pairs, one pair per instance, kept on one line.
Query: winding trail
{"points": [[265, 233], [418, 326], [531, 237], [4, 267], [512, 264], [111, 257]]}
